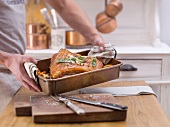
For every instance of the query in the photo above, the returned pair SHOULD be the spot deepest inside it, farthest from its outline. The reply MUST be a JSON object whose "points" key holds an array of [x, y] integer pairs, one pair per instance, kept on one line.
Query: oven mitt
{"points": [[31, 70], [108, 53]]}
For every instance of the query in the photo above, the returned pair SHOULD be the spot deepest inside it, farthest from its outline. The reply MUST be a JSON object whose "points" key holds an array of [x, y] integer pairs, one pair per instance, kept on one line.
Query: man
{"points": [[13, 41]]}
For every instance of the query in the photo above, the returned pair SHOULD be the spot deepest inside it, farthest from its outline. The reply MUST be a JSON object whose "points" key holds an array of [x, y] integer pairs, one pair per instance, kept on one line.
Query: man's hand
{"points": [[15, 63], [97, 40], [74, 16]]}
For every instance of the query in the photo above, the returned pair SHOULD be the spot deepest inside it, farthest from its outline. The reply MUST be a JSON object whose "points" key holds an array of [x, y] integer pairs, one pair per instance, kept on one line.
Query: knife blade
{"points": [[101, 104], [72, 106]]}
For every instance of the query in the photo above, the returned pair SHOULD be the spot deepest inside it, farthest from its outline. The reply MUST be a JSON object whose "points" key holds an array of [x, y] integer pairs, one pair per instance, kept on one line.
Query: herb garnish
{"points": [[73, 59], [94, 62], [81, 59], [63, 61], [78, 60]]}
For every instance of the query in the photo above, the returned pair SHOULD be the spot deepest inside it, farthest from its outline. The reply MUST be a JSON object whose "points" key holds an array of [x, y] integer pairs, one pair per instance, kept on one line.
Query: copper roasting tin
{"points": [[77, 81]]}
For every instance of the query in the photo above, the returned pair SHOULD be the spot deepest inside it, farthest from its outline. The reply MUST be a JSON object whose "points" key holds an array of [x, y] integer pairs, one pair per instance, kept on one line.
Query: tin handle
{"points": [[128, 67]]}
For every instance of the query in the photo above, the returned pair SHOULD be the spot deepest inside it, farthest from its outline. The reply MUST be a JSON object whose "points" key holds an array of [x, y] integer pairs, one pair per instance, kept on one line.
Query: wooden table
{"points": [[143, 111]]}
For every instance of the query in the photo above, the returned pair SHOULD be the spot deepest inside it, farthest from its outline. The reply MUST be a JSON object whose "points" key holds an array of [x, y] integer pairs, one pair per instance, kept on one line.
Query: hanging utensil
{"points": [[105, 24], [114, 8]]}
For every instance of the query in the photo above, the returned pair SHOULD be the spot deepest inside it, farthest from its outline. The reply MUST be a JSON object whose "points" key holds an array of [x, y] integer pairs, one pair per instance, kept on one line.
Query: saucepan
{"points": [[74, 38], [37, 41], [36, 28], [37, 37]]}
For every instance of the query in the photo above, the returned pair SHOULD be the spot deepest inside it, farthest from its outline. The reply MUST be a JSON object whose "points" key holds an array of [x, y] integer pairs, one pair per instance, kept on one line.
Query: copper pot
{"points": [[32, 28], [113, 8], [37, 41], [105, 24], [74, 38]]}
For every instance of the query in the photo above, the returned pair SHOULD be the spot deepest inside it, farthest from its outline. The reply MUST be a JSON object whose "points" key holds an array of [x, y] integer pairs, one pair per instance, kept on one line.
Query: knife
{"points": [[101, 104], [72, 106]]}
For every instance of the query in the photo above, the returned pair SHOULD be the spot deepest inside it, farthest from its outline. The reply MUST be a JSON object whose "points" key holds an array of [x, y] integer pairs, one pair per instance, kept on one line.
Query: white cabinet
{"points": [[153, 66], [147, 69]]}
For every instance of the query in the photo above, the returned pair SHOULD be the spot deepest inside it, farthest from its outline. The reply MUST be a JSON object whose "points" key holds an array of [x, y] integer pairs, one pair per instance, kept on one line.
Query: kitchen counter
{"points": [[143, 111], [121, 51], [47, 53]]}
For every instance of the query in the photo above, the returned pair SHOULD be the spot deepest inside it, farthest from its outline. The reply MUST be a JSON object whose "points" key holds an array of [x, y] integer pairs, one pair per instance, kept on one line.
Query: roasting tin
{"points": [[76, 81]]}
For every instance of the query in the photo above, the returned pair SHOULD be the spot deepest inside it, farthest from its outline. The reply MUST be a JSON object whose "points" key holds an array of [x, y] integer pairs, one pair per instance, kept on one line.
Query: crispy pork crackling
{"points": [[67, 63]]}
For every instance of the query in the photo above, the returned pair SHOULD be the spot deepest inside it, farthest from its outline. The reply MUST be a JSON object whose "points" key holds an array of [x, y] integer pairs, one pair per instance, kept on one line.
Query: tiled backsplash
{"points": [[137, 23]]}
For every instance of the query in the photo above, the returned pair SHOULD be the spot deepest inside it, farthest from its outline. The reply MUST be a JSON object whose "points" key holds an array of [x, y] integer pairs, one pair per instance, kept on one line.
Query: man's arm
{"points": [[77, 19], [14, 62]]}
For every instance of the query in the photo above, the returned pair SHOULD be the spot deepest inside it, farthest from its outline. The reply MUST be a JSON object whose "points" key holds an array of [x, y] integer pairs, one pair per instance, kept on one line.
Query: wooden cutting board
{"points": [[45, 110]]}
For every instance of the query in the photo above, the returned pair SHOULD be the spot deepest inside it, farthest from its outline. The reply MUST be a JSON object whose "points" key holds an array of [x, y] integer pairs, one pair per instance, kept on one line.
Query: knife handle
{"points": [[114, 106], [75, 108]]}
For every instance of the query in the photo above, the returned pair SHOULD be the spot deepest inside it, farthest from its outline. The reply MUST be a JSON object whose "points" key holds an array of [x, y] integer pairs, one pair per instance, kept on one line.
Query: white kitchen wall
{"points": [[165, 21], [90, 7], [136, 23]]}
